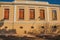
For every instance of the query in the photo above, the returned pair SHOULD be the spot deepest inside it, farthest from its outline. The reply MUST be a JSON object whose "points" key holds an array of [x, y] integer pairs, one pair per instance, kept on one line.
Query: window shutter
{"points": [[32, 14], [21, 13], [42, 14], [6, 13]]}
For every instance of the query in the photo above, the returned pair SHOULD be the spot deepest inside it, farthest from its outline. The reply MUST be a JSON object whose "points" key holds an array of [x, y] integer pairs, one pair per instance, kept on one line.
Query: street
{"points": [[24, 38]]}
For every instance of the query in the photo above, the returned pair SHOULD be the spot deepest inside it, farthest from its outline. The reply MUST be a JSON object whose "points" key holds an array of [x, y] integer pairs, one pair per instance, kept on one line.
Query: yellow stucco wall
{"points": [[27, 23]]}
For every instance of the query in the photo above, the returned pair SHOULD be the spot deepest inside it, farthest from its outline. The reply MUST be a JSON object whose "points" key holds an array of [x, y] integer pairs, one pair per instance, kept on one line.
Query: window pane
{"points": [[21, 13], [6, 13], [54, 15], [32, 14], [42, 14]]}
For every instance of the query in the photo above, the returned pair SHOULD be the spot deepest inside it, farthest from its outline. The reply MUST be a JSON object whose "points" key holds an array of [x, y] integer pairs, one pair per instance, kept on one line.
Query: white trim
{"points": [[44, 8], [6, 5], [48, 13], [15, 1], [14, 13], [45, 14], [38, 2], [3, 12]]}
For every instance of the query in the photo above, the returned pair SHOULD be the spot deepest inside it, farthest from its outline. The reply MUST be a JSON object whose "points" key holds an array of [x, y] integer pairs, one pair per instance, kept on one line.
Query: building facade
{"points": [[29, 17]]}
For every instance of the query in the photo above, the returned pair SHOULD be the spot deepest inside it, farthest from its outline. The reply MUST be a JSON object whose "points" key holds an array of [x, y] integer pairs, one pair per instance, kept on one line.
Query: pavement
{"points": [[26, 38]]}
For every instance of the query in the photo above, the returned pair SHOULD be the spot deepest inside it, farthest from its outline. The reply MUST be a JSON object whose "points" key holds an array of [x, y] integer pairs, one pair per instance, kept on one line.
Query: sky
{"points": [[50, 1]]}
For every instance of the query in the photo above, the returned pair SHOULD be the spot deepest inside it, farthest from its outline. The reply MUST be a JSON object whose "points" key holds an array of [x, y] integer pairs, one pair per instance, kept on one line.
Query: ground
{"points": [[26, 38]]}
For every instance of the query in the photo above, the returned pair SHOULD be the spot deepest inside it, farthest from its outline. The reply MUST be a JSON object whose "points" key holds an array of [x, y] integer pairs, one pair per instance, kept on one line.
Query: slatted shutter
{"points": [[32, 14], [21, 13], [6, 13], [42, 14]]}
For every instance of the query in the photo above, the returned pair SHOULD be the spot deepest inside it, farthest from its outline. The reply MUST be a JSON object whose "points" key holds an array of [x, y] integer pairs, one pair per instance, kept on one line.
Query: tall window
{"points": [[32, 13], [54, 15], [6, 14], [42, 14], [21, 13]]}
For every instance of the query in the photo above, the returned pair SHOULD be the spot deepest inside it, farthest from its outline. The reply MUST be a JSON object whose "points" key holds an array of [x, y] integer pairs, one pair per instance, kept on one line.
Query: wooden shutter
{"points": [[21, 13], [6, 13], [54, 14], [32, 14], [42, 14]]}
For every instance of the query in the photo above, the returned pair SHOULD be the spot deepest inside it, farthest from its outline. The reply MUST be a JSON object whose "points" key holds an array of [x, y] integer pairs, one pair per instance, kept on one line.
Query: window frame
{"points": [[54, 14], [33, 14], [43, 14], [5, 13], [22, 14]]}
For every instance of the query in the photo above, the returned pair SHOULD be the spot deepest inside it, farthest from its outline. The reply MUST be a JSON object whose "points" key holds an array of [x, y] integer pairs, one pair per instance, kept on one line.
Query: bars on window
{"points": [[6, 13], [54, 15], [21, 13], [42, 14], [32, 13]]}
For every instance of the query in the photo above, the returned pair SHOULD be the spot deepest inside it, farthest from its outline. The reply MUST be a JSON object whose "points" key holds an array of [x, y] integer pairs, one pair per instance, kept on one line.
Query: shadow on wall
{"points": [[4, 31], [1, 22]]}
